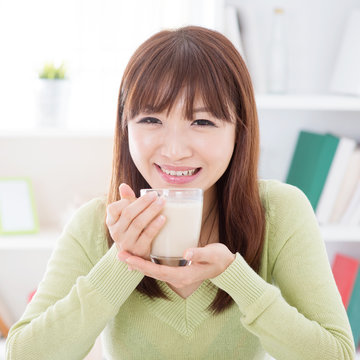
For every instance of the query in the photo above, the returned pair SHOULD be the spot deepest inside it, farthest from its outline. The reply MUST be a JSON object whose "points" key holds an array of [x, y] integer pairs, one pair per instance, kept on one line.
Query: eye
{"points": [[149, 120], [203, 122]]}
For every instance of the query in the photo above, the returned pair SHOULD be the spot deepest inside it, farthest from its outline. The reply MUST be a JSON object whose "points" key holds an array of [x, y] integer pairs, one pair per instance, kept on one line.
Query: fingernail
{"points": [[122, 257], [128, 261], [160, 219], [130, 268], [160, 200], [189, 255], [152, 195]]}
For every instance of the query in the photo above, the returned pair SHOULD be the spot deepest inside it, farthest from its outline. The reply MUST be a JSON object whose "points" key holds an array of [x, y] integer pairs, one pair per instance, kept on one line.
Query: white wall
{"points": [[66, 170], [314, 30]]}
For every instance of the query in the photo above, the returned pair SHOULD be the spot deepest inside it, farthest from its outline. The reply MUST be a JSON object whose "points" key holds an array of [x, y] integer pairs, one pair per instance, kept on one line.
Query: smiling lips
{"points": [[177, 175]]}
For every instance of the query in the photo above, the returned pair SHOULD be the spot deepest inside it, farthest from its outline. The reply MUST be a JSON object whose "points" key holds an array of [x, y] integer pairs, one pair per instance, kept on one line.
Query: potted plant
{"points": [[53, 95], [50, 71]]}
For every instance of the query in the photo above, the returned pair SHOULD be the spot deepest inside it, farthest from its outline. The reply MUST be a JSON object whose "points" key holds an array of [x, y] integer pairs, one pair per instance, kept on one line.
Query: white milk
{"points": [[181, 230]]}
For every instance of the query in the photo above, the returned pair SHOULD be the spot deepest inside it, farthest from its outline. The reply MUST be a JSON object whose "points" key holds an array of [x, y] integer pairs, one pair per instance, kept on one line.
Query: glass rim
{"points": [[172, 189]]}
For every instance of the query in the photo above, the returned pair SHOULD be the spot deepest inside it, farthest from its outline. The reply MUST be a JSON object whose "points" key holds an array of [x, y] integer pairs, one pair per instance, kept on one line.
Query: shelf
{"points": [[333, 233], [308, 102], [56, 133], [2, 349], [44, 240]]}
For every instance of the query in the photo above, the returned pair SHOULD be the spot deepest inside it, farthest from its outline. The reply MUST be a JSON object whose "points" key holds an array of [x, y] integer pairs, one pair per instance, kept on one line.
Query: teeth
{"points": [[179, 173]]}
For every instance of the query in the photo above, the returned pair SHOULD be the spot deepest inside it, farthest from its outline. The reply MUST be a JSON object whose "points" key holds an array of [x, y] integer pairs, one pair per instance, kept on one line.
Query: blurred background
{"points": [[61, 64]]}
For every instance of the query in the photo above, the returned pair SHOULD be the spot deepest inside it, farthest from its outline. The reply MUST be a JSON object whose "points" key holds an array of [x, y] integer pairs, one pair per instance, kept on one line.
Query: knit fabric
{"points": [[291, 309]]}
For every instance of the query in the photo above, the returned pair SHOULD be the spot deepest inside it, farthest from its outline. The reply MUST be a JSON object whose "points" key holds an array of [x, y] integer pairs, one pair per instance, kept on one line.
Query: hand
{"points": [[134, 222], [206, 263]]}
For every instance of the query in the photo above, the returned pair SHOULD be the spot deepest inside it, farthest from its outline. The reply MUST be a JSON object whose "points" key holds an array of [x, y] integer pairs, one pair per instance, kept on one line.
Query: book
{"points": [[350, 213], [355, 216], [311, 162], [353, 310], [251, 37], [345, 270], [4, 329], [232, 29], [31, 295], [333, 183], [6, 319], [347, 188], [346, 76]]}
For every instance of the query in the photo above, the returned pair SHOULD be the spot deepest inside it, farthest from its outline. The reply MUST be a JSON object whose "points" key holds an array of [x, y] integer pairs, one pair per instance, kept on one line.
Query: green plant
{"points": [[50, 71]]}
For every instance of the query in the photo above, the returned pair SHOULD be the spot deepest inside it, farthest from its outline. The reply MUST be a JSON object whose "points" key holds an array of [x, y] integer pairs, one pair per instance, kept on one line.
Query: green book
{"points": [[311, 163], [353, 310]]}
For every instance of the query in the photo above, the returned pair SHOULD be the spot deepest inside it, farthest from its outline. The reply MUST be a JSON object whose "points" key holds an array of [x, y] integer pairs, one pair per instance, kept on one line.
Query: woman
{"points": [[259, 281]]}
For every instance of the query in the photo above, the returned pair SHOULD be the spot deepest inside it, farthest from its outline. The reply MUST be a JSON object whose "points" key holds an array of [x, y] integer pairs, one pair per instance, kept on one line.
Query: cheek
{"points": [[139, 145], [219, 150], [221, 155]]}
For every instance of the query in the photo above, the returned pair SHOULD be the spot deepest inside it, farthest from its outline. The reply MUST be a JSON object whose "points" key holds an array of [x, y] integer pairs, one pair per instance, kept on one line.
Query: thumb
{"points": [[126, 192], [201, 254], [208, 254]]}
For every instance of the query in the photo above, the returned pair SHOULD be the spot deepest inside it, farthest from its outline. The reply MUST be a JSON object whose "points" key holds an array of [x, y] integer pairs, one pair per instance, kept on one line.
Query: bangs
{"points": [[176, 67]]}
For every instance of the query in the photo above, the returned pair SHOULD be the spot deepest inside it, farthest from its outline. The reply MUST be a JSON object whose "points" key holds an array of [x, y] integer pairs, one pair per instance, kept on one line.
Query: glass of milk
{"points": [[183, 212]]}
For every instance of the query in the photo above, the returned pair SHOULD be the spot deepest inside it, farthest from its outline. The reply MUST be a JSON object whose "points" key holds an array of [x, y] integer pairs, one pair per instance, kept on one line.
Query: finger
{"points": [[207, 254], [131, 212], [144, 227], [113, 211], [156, 271], [215, 257], [123, 255], [177, 276], [148, 235], [126, 192]]}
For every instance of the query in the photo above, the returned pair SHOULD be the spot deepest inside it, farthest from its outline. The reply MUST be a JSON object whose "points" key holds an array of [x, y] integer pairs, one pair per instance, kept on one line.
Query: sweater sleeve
{"points": [[301, 315], [83, 288]]}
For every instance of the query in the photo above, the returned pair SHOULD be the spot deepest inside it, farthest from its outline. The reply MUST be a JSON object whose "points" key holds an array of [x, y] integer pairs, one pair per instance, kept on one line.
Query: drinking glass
{"points": [[183, 212]]}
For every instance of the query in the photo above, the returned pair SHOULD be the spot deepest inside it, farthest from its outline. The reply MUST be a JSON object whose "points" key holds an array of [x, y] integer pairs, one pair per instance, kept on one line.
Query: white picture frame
{"points": [[18, 213]]}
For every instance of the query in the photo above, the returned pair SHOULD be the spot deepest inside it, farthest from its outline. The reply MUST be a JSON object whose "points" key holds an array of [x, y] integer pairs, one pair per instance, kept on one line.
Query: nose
{"points": [[175, 144]]}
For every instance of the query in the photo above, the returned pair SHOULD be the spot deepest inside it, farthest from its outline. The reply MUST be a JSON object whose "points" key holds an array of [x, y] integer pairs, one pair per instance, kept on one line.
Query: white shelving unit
{"points": [[46, 240], [322, 113], [338, 233]]}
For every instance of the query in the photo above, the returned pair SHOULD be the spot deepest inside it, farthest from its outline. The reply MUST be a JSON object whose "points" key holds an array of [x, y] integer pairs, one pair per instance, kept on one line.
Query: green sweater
{"points": [[291, 309]]}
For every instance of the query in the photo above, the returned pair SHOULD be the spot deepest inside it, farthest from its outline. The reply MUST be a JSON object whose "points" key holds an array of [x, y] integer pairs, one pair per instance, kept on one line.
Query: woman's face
{"points": [[171, 151]]}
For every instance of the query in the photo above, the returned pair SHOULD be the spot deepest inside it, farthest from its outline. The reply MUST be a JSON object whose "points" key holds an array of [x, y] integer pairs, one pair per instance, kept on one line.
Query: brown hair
{"points": [[197, 61]]}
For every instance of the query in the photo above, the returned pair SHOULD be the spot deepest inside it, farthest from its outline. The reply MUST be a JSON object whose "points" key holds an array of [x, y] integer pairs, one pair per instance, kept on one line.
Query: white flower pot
{"points": [[53, 102]]}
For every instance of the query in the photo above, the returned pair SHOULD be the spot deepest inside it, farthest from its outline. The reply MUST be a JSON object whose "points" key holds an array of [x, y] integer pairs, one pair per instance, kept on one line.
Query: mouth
{"points": [[181, 175]]}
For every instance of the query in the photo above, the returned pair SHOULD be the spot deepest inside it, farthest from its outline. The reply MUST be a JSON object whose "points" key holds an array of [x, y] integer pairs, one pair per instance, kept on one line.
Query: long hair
{"points": [[198, 62]]}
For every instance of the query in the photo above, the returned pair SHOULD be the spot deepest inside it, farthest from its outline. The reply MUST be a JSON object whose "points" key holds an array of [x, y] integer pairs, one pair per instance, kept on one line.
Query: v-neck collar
{"points": [[184, 315]]}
